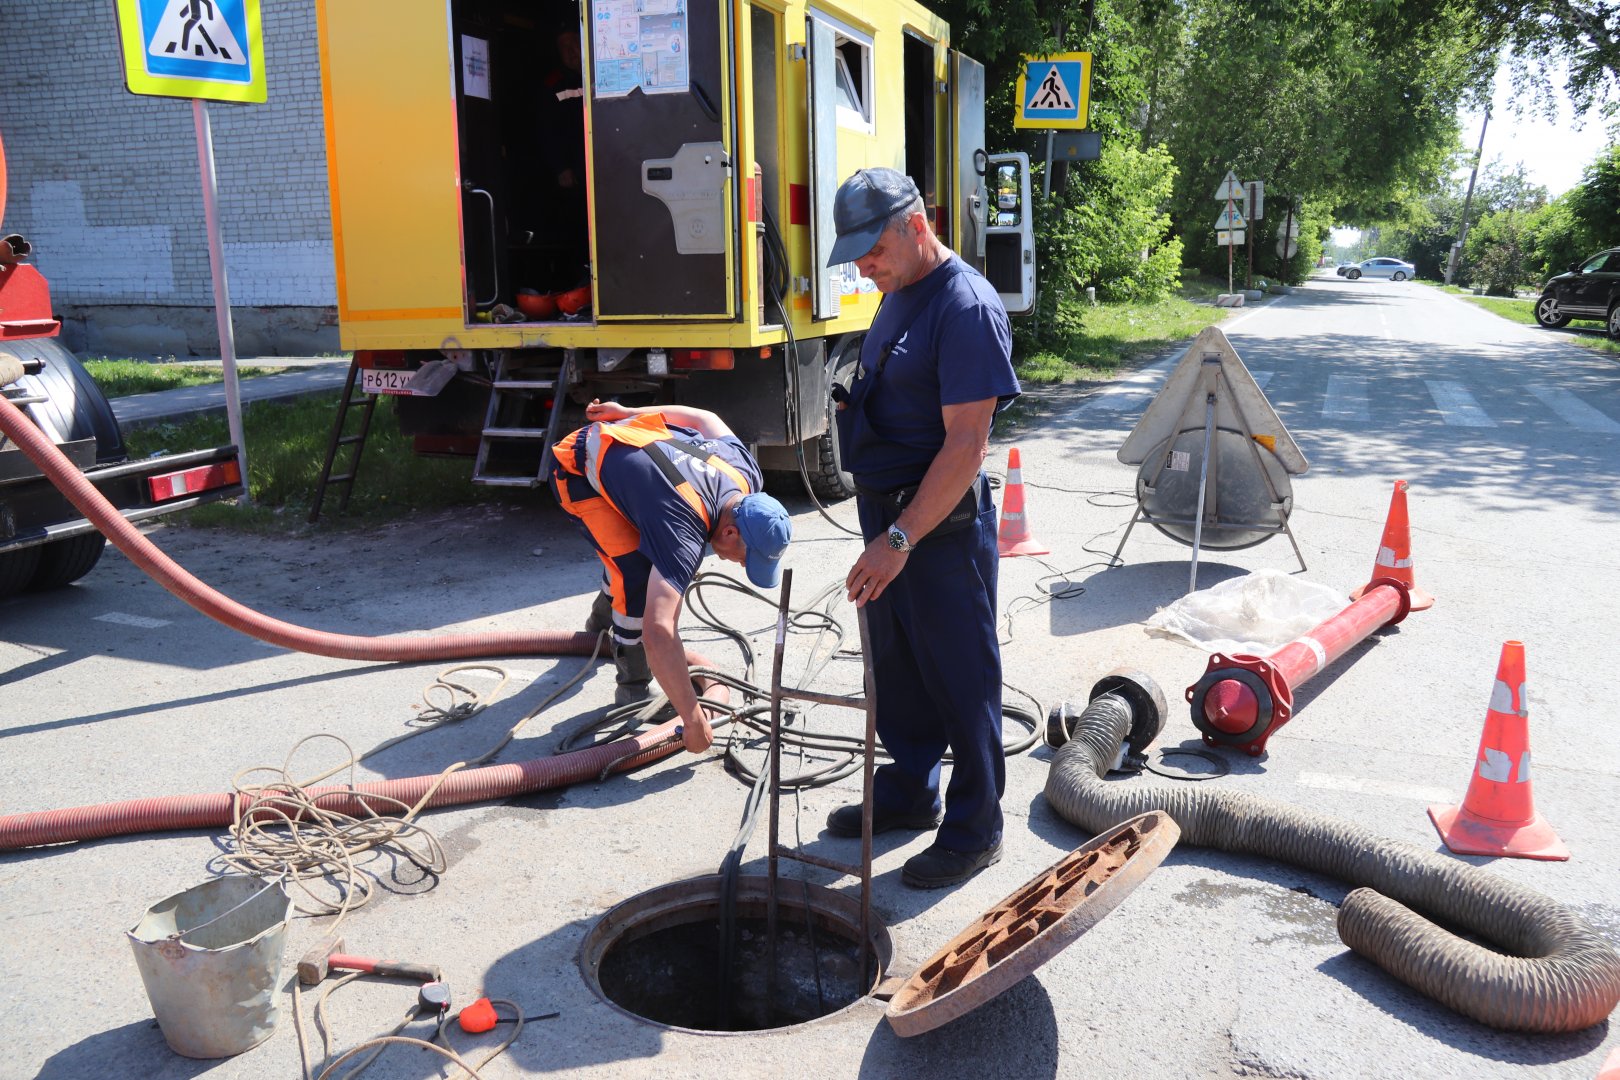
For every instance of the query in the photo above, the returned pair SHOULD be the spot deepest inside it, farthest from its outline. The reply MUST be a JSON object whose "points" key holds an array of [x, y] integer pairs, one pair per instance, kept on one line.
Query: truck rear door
{"points": [[662, 125]]}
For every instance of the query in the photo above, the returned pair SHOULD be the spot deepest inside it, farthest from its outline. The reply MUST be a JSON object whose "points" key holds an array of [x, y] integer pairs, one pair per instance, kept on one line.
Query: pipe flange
{"points": [[1264, 706], [1406, 597], [1146, 701]]}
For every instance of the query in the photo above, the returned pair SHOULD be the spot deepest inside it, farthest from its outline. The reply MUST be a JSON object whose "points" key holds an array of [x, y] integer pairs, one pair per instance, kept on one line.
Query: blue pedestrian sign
{"points": [[1054, 91], [210, 49]]}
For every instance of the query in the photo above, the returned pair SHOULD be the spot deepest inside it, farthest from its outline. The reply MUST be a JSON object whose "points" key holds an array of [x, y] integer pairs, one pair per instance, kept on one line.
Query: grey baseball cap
{"points": [[863, 207]]}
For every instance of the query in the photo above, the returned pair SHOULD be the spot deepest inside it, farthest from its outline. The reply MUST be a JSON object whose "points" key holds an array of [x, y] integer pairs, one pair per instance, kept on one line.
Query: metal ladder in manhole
{"points": [[867, 703]]}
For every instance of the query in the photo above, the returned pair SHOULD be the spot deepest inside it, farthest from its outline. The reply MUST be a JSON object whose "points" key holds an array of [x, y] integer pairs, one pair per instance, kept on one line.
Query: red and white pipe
{"points": [[1242, 700]]}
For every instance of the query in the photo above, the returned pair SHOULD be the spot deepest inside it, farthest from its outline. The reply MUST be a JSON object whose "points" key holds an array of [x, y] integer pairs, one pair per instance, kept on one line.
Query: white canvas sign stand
{"points": [[1212, 417]]}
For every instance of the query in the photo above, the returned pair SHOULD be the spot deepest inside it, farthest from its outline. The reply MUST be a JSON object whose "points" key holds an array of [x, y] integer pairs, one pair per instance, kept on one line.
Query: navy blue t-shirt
{"points": [[952, 345], [673, 536]]}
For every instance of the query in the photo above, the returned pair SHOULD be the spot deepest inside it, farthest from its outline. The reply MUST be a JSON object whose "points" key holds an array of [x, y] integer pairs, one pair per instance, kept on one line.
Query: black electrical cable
{"points": [[777, 285]]}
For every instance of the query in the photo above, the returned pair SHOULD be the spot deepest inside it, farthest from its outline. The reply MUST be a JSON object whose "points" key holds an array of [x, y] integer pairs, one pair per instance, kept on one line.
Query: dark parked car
{"points": [[1591, 290]]}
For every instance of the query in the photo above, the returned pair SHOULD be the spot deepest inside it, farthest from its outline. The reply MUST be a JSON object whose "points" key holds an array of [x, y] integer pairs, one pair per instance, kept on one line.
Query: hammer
{"points": [[325, 956]]}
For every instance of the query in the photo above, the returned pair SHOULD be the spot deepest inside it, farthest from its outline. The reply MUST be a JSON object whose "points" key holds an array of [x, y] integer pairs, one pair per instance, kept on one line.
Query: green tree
{"points": [[1499, 252], [1595, 202], [1317, 100]]}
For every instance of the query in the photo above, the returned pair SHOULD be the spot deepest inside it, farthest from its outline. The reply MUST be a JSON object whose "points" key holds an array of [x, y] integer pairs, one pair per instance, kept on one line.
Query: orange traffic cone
{"points": [[1013, 537], [1395, 553], [1498, 815]]}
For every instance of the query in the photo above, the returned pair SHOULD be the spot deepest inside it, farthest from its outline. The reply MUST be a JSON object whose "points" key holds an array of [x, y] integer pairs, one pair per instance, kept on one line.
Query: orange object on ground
{"points": [[1611, 1066], [574, 301], [1395, 553], [1498, 815], [477, 1017], [1013, 538]]}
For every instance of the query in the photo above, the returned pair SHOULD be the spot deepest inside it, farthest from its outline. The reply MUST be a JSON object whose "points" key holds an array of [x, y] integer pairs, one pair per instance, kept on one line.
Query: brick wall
{"points": [[106, 185]]}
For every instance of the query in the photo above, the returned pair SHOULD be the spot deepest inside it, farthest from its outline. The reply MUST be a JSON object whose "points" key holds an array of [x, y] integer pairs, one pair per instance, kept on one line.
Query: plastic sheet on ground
{"points": [[1253, 615]]}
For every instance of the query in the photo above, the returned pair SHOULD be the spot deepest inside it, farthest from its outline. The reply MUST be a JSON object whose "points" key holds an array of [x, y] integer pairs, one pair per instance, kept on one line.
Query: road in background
{"points": [[1216, 966]]}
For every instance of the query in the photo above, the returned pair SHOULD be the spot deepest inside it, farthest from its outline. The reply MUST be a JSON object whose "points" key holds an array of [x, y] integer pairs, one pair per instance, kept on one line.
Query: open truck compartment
{"points": [[537, 203]]}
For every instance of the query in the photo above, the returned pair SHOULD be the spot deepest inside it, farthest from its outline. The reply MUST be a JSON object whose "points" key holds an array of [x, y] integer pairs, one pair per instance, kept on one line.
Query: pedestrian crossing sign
{"points": [[1054, 91], [210, 49]]}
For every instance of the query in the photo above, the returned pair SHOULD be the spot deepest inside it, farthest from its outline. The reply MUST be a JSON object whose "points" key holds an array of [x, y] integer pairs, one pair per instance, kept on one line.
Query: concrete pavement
{"points": [[308, 375]]}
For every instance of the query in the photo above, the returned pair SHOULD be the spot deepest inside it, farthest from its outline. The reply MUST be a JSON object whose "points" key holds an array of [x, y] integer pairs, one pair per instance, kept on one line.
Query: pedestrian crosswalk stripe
{"points": [[1575, 412], [1346, 398], [1457, 406], [119, 618]]}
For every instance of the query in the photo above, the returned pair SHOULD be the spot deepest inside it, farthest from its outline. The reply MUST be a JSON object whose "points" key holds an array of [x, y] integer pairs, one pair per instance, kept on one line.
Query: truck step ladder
{"points": [[366, 404], [513, 451]]}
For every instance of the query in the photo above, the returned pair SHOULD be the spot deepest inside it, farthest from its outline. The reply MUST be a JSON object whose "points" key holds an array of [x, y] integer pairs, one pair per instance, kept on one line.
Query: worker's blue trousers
{"points": [[937, 668]]}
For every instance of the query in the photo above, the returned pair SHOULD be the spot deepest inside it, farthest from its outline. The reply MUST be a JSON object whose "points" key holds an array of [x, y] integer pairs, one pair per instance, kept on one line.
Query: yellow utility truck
{"points": [[537, 202]]}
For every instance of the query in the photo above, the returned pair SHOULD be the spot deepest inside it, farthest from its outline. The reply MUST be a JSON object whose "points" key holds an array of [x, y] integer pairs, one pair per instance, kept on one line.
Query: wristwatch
{"points": [[898, 539]]}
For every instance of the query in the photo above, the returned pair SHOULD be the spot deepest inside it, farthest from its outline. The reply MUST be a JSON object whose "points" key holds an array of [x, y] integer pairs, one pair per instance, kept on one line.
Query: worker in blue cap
{"points": [[913, 429], [650, 488]]}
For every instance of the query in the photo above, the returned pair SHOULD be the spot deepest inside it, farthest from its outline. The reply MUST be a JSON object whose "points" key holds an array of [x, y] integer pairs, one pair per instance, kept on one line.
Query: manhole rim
{"points": [[662, 901]]}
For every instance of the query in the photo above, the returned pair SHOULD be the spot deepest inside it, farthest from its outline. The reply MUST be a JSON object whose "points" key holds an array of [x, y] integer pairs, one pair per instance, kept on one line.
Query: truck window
{"points": [[852, 74]]}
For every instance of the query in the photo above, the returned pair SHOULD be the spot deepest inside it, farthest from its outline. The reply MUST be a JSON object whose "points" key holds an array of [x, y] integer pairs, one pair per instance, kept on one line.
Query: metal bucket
{"points": [[211, 961]]}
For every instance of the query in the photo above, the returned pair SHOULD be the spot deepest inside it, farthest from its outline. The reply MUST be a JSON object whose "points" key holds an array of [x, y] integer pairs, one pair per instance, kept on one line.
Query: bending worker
{"points": [[649, 487], [913, 429]]}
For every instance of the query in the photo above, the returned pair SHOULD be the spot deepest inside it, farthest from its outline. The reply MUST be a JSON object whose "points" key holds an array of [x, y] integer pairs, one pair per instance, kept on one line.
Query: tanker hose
{"points": [[220, 809], [1558, 975]]}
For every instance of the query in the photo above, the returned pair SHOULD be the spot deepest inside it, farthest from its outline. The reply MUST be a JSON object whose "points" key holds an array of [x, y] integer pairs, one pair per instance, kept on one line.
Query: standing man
{"points": [[914, 428], [649, 488]]}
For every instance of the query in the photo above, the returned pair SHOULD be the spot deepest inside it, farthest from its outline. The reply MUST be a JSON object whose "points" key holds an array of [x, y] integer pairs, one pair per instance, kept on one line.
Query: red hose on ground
{"points": [[209, 811]]}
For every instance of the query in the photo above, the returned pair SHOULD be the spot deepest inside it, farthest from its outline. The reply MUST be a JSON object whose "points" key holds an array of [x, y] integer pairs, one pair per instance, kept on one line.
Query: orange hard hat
{"points": [[574, 301], [536, 305]]}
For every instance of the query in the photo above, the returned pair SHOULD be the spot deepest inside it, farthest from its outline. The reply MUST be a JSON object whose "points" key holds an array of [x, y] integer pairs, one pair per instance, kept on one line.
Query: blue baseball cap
{"points": [[766, 530], [862, 209]]}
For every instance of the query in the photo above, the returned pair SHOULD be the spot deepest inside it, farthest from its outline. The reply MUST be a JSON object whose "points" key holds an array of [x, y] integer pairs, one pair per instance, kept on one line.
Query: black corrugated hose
{"points": [[1553, 973]]}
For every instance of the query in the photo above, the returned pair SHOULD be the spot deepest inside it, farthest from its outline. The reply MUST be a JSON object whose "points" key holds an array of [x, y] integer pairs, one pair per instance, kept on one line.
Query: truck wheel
{"points": [[828, 480], [62, 562], [17, 570]]}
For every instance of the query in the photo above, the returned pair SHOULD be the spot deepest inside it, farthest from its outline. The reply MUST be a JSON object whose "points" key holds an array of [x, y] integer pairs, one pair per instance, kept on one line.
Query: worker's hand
{"points": [[606, 411], [878, 565], [697, 735]]}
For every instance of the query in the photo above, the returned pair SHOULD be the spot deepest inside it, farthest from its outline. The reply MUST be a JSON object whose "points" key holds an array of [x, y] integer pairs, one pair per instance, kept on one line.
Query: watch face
{"points": [[897, 539]]}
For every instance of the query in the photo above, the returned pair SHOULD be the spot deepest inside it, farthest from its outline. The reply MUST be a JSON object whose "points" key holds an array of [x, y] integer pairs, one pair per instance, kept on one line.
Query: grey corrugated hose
{"points": [[1558, 974]]}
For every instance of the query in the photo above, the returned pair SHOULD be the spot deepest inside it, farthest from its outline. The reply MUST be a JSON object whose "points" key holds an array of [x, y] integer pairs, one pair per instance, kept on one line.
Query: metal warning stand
{"points": [[1214, 457], [865, 702]]}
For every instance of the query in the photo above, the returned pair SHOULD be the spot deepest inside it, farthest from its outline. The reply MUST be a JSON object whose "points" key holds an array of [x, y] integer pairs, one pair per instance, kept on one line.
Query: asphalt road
{"points": [[1217, 965]]}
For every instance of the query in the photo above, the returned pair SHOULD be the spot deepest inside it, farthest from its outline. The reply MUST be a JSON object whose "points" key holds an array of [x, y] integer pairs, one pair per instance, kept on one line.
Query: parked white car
{"points": [[1381, 266]]}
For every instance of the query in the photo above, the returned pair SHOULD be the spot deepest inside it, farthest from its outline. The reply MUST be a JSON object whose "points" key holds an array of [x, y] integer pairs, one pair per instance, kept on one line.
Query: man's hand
{"points": [[878, 565], [606, 411], [697, 736]]}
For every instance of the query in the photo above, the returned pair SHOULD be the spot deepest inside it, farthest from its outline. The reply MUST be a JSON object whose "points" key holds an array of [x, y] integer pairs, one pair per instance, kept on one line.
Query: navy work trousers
{"points": [[937, 668]]}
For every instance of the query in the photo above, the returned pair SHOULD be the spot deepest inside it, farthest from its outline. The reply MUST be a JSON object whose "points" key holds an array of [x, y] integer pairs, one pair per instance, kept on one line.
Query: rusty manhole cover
{"points": [[1032, 925]]}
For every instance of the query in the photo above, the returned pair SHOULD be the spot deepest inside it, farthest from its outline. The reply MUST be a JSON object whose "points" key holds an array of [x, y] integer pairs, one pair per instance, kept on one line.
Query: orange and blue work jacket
{"points": [[702, 475]]}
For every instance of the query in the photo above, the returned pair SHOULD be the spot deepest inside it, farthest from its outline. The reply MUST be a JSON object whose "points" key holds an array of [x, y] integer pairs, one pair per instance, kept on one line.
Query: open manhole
{"points": [[660, 956]]}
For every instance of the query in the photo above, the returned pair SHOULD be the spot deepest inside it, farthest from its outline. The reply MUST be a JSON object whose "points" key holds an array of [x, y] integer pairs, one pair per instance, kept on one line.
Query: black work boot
{"points": [[601, 616], [634, 674], [846, 820], [939, 867]]}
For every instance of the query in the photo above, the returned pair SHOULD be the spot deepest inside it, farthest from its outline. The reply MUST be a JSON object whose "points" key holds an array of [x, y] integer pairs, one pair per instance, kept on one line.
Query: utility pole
{"points": [[1468, 201]]}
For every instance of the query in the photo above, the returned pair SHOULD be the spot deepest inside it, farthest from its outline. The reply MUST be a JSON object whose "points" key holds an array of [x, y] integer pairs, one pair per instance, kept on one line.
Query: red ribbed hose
{"points": [[174, 812]]}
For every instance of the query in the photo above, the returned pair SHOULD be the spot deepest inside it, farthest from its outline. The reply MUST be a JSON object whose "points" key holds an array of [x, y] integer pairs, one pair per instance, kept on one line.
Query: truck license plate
{"points": [[385, 381]]}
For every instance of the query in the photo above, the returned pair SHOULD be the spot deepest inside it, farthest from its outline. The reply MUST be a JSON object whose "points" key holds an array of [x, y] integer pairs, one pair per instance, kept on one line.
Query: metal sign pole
{"points": [[1229, 287], [222, 295]]}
